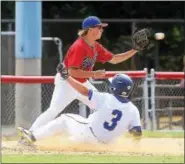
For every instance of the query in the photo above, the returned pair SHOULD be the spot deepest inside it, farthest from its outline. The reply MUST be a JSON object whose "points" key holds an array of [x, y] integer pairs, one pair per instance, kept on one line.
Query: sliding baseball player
{"points": [[114, 115]]}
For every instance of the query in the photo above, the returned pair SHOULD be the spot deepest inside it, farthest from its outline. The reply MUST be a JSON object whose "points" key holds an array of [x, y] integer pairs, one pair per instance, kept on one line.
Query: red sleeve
{"points": [[103, 54], [75, 56]]}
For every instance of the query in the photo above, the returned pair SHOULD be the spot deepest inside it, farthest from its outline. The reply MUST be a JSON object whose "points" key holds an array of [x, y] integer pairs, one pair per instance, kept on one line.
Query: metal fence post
{"points": [[58, 42], [145, 97], [10, 52], [28, 57], [153, 99]]}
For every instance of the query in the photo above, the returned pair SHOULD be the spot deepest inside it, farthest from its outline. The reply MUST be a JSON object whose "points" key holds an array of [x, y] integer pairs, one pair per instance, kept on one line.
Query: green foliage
{"points": [[8, 9], [116, 37]]}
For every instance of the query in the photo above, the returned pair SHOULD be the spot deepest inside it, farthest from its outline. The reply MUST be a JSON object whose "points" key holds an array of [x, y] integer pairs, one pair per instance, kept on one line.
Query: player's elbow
{"points": [[136, 132], [113, 60], [73, 72], [85, 92]]}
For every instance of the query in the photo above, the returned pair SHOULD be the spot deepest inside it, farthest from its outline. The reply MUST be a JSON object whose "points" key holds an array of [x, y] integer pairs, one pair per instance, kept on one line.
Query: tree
{"points": [[116, 36]]}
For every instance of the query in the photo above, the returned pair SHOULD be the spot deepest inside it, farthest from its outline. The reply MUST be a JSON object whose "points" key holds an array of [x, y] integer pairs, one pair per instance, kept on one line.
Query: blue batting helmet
{"points": [[121, 85]]}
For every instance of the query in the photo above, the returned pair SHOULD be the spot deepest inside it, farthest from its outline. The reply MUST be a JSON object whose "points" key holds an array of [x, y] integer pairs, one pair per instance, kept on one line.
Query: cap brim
{"points": [[80, 32], [103, 24]]}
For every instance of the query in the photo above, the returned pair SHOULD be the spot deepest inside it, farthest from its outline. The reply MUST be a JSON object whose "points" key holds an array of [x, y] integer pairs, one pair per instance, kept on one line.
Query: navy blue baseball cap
{"points": [[91, 21]]}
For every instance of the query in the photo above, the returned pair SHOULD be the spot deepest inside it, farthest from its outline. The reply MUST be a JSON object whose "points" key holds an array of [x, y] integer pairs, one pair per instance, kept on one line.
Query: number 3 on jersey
{"points": [[116, 117]]}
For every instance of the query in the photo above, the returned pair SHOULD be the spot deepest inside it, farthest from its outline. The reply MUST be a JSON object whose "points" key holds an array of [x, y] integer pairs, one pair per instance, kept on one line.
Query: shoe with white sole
{"points": [[27, 137]]}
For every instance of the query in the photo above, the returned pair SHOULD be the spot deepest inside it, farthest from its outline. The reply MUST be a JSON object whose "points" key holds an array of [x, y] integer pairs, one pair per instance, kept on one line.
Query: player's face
{"points": [[97, 32]]}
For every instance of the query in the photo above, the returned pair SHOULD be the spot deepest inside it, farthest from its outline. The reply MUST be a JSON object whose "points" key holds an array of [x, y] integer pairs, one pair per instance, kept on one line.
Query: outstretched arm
{"points": [[118, 58], [78, 86], [135, 129], [140, 41], [74, 83], [79, 73]]}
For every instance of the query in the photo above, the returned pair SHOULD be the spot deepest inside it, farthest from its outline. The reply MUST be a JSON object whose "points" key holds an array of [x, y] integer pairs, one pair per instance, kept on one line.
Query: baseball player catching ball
{"points": [[80, 60], [112, 117]]}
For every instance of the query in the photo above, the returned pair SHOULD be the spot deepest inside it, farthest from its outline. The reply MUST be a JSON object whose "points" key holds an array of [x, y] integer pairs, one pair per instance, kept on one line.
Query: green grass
{"points": [[90, 159], [161, 134]]}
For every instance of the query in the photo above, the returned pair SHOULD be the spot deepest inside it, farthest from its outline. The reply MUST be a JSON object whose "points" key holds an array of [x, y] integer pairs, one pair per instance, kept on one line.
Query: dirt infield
{"points": [[147, 146]]}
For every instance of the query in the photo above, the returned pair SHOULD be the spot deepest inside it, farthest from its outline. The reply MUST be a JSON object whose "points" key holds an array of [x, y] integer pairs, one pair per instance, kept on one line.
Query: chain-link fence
{"points": [[161, 104], [169, 104], [168, 101], [48, 44], [8, 54], [8, 99]]}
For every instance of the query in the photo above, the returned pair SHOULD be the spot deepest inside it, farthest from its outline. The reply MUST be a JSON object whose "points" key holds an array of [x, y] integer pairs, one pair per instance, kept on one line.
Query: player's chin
{"points": [[99, 37]]}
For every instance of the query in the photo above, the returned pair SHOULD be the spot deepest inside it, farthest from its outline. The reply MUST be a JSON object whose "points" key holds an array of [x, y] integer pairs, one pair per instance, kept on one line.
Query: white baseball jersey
{"points": [[112, 117], [110, 120]]}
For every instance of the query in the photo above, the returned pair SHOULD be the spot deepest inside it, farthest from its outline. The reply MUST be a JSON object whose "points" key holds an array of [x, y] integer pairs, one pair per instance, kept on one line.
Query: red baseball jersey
{"points": [[81, 55]]}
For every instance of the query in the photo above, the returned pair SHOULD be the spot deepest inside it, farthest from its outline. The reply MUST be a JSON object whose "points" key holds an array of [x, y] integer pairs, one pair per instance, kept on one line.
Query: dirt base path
{"points": [[56, 145]]}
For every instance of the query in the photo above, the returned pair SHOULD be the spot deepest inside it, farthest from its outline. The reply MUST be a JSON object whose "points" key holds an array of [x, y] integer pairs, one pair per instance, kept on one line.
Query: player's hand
{"points": [[63, 71], [140, 39], [99, 74]]}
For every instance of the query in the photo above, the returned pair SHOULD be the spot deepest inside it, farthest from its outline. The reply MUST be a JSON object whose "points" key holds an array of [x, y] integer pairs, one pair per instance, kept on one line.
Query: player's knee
{"points": [[53, 112], [63, 116]]}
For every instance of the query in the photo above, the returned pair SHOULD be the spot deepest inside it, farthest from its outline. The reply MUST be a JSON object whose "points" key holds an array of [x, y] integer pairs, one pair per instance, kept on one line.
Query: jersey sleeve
{"points": [[96, 98], [136, 119], [103, 54], [76, 56]]}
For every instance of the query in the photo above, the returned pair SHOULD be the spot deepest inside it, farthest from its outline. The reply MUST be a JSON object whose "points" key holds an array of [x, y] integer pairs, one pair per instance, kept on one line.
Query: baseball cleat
{"points": [[26, 136], [20, 132]]}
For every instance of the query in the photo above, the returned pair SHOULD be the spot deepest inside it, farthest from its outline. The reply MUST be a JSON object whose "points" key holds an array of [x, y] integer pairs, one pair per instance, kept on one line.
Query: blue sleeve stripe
{"points": [[90, 94]]}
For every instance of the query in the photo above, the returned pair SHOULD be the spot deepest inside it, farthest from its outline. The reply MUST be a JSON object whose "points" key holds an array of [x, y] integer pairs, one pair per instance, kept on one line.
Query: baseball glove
{"points": [[140, 39], [62, 70]]}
